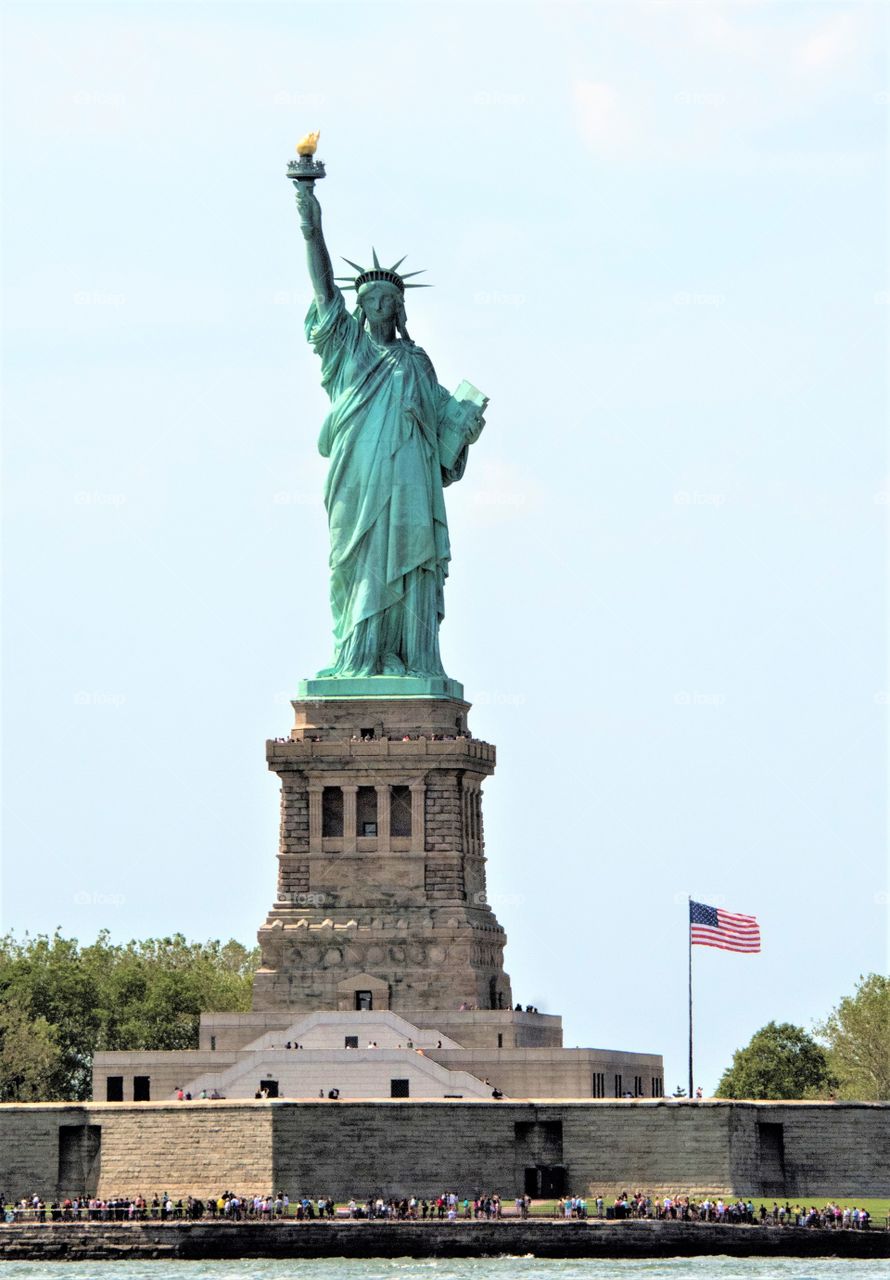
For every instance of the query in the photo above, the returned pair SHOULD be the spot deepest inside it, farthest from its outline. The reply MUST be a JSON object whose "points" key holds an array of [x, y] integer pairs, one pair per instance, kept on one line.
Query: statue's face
{"points": [[379, 300]]}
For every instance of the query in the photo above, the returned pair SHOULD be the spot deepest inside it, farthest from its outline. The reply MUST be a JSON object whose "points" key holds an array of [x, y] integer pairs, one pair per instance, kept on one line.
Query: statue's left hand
{"points": [[475, 424]]}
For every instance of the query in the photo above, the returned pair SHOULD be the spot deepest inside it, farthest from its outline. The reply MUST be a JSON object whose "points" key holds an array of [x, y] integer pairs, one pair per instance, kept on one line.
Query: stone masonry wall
{"points": [[186, 1148], [843, 1148], [444, 880], [294, 832], [29, 1145], [396, 1147], [293, 879], [475, 1147], [146, 1147], [640, 1144], [443, 812]]}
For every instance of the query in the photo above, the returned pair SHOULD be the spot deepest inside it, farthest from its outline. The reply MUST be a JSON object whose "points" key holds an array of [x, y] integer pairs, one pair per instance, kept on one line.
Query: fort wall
{"points": [[342, 1149]]}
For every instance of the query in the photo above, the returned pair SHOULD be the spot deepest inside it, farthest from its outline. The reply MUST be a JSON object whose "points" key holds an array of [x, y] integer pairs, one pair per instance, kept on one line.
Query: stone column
{"points": [[315, 793], [418, 824], [349, 794], [383, 797]]}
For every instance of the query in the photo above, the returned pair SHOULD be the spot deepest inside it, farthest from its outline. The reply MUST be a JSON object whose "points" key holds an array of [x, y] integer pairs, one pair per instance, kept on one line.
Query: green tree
{"points": [[29, 1054], [780, 1061], [47, 979], [138, 995], [857, 1033]]}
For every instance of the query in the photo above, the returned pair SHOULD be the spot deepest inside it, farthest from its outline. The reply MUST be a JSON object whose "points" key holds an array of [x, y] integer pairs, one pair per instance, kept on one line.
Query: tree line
{"points": [[847, 1057], [60, 1003]]}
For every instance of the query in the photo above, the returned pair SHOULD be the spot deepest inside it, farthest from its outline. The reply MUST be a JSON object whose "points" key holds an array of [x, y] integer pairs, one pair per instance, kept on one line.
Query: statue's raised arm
{"points": [[321, 272]]}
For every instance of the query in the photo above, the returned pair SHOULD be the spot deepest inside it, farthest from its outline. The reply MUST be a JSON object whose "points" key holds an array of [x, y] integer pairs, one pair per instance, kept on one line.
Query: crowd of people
{"points": [[735, 1212], [383, 737], [447, 1207], [161, 1207], [235, 1208]]}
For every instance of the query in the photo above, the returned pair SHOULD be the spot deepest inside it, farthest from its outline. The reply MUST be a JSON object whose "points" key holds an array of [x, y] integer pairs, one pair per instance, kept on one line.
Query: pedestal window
{"points": [[332, 811], [400, 812], [366, 811]]}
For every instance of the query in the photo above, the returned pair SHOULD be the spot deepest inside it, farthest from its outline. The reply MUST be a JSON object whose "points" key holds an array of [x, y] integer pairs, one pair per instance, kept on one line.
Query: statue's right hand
{"points": [[308, 206]]}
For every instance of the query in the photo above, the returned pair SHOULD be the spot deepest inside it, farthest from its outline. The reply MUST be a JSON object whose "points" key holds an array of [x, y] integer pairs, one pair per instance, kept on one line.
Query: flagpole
{"points": [[689, 931]]}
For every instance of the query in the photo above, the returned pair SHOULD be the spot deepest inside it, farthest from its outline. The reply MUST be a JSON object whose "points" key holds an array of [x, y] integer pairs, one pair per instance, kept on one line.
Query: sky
{"points": [[657, 235]]}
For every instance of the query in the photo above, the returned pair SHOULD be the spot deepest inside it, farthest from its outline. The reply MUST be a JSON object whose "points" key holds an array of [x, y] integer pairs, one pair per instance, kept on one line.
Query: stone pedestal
{"points": [[381, 897]]}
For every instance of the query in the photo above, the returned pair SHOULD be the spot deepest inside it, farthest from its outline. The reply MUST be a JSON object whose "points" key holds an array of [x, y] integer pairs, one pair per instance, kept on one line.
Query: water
{"points": [[459, 1269]]}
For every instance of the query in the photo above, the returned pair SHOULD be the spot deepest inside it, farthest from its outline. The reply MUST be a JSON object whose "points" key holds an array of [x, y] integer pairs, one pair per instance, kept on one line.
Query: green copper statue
{"points": [[395, 438]]}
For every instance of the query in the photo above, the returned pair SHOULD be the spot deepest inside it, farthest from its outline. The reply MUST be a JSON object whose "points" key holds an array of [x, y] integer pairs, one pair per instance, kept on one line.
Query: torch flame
{"points": [[306, 146]]}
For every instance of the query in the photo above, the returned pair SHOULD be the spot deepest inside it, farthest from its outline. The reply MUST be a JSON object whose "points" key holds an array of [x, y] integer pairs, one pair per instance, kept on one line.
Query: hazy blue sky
{"points": [[658, 239]]}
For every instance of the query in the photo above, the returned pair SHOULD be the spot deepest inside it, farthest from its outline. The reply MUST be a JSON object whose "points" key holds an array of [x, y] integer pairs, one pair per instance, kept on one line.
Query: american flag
{"points": [[714, 927]]}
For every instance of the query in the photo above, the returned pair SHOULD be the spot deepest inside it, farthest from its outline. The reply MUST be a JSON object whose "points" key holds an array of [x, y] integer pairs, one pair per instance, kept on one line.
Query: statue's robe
{"points": [[383, 495]]}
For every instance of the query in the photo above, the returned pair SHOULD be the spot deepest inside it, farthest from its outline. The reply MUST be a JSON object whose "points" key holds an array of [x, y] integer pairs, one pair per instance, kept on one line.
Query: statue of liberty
{"points": [[395, 438]]}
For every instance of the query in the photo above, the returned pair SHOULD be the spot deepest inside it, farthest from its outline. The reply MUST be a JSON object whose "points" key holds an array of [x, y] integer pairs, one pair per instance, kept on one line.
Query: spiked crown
{"points": [[391, 275]]}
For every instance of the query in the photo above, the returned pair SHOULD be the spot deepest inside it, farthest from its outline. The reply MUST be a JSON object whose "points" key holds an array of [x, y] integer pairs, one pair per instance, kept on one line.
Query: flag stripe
{"points": [[729, 943], [724, 946]]}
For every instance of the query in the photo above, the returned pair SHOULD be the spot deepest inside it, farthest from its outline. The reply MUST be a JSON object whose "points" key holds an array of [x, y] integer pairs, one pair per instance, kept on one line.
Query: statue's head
{"points": [[381, 292], [381, 302]]}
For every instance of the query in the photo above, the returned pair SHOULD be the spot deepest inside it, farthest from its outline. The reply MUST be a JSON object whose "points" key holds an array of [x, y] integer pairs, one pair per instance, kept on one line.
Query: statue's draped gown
{"points": [[383, 494]]}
